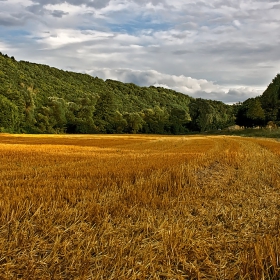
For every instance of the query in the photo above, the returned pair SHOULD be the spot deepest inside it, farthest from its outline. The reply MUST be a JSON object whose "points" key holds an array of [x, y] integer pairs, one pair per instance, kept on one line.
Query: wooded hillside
{"points": [[262, 109], [37, 98]]}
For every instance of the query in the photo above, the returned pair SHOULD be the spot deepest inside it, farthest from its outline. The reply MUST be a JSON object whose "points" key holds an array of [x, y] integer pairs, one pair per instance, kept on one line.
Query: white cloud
{"points": [[64, 37], [4, 47], [192, 87], [237, 23], [214, 49]]}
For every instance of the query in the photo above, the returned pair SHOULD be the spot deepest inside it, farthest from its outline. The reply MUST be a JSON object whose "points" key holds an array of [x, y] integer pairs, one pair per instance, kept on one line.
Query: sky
{"points": [[225, 50]]}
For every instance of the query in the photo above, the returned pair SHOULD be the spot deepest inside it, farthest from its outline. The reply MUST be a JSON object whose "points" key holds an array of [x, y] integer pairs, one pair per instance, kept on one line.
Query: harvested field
{"points": [[139, 207]]}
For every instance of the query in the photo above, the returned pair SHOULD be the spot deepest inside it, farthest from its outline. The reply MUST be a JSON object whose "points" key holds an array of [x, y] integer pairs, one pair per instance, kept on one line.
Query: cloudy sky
{"points": [[226, 50]]}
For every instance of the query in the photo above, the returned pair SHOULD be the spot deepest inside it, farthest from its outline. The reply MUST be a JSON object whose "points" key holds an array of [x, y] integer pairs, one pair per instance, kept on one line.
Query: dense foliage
{"points": [[41, 99], [263, 109]]}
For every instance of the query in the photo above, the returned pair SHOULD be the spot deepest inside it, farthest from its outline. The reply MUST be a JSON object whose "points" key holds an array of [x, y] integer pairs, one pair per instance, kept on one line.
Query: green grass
{"points": [[249, 132]]}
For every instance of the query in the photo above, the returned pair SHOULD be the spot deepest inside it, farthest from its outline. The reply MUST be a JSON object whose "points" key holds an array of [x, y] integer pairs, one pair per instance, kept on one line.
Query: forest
{"points": [[37, 98], [261, 110]]}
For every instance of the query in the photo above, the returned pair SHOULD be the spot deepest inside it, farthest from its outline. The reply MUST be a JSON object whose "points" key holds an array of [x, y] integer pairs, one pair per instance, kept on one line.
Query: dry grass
{"points": [[139, 207]]}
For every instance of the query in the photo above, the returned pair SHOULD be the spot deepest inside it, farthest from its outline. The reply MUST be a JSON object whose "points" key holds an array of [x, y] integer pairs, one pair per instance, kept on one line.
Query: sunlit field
{"points": [[139, 207]]}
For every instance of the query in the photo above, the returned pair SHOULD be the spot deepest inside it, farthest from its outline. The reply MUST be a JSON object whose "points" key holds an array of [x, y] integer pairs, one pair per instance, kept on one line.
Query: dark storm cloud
{"points": [[58, 13]]}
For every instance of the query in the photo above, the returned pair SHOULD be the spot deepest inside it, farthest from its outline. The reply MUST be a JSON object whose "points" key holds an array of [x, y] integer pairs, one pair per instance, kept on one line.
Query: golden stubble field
{"points": [[139, 207]]}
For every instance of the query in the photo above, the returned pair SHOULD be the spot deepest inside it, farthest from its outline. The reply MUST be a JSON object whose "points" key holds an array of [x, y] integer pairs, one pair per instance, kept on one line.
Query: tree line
{"points": [[37, 98], [261, 110]]}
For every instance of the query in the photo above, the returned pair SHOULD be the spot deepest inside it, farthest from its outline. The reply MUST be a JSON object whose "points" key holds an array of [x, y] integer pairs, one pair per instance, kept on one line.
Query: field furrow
{"points": [[139, 207]]}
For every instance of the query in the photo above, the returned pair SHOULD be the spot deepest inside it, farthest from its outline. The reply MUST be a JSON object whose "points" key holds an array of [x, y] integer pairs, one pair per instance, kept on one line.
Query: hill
{"points": [[261, 110], [37, 98]]}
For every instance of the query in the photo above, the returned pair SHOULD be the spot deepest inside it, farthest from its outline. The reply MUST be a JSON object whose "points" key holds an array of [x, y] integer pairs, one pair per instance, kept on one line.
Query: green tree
{"points": [[9, 115], [80, 114], [155, 120], [134, 122], [29, 110], [117, 123], [105, 110], [255, 112], [178, 119]]}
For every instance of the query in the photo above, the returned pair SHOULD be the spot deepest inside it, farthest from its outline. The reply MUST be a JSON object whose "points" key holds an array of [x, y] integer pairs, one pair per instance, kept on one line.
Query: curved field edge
{"points": [[139, 207]]}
